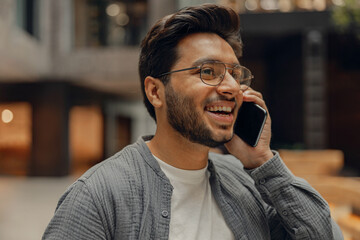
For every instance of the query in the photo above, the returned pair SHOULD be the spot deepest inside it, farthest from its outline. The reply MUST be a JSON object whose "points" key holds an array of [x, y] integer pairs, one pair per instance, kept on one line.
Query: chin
{"points": [[224, 138], [225, 132]]}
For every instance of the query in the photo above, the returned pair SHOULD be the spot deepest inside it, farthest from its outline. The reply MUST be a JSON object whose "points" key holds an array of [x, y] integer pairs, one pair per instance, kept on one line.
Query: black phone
{"points": [[250, 123]]}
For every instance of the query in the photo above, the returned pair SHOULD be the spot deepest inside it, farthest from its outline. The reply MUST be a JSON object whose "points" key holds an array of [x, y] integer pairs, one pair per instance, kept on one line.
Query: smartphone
{"points": [[250, 123]]}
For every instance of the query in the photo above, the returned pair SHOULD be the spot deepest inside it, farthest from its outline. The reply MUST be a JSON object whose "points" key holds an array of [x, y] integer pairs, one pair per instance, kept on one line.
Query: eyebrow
{"points": [[202, 60], [207, 59]]}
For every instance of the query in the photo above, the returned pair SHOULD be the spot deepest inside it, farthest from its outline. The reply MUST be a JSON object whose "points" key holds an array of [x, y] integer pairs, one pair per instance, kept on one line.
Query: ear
{"points": [[154, 90]]}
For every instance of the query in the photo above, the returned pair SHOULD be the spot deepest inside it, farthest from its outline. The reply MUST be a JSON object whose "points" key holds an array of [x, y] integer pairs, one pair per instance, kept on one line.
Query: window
{"points": [[15, 137], [109, 23], [27, 16]]}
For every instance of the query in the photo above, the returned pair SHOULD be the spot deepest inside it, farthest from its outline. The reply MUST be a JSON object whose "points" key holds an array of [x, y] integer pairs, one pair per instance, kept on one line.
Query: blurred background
{"points": [[70, 94]]}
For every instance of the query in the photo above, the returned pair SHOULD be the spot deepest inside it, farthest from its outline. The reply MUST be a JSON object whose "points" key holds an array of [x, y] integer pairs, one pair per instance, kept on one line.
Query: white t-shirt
{"points": [[194, 211]]}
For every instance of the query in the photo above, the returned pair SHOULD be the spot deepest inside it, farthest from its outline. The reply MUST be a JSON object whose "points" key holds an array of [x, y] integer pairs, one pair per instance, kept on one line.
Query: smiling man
{"points": [[168, 186]]}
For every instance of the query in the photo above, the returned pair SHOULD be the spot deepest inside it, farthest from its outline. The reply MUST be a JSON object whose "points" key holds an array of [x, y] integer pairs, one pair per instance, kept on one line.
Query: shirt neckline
{"points": [[186, 176]]}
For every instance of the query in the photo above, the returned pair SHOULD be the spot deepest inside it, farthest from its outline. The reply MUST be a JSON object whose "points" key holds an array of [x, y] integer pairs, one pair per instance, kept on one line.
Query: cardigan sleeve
{"points": [[296, 210], [76, 216]]}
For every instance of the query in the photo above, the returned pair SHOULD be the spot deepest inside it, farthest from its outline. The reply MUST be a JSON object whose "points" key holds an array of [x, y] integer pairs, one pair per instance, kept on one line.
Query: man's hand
{"points": [[253, 157]]}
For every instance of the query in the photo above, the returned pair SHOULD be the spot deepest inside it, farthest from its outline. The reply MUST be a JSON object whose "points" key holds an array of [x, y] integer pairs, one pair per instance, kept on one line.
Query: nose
{"points": [[228, 87]]}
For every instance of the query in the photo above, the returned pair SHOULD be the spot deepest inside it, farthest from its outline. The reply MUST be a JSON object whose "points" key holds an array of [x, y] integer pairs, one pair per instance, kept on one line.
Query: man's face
{"points": [[201, 113]]}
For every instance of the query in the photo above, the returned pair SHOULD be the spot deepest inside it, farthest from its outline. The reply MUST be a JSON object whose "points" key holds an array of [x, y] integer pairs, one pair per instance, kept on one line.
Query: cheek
{"points": [[192, 88], [196, 96], [239, 101]]}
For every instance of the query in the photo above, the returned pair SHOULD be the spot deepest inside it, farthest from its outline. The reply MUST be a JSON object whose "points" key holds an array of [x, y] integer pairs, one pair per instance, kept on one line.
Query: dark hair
{"points": [[159, 47]]}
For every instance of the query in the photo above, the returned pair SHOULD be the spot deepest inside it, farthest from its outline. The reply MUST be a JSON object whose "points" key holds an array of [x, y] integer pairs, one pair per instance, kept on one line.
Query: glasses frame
{"points": [[221, 77]]}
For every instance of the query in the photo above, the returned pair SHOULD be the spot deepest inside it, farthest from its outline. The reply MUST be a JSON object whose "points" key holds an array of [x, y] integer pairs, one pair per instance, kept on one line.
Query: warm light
{"points": [[285, 5], [305, 4], [269, 5], [122, 19], [338, 2], [319, 5], [113, 10], [7, 116], [86, 136], [251, 5]]}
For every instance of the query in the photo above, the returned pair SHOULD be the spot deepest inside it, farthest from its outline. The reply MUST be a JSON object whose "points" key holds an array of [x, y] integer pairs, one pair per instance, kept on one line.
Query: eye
{"points": [[207, 72], [237, 74]]}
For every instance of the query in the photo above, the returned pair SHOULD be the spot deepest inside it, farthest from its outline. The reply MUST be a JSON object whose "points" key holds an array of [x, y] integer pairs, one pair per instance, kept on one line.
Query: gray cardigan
{"points": [[128, 197]]}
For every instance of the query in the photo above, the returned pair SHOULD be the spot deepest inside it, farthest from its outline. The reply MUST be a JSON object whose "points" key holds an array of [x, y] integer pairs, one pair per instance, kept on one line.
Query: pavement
{"points": [[27, 204]]}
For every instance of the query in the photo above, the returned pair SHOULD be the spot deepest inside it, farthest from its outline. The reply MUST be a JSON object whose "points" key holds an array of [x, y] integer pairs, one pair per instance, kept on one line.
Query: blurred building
{"points": [[70, 92]]}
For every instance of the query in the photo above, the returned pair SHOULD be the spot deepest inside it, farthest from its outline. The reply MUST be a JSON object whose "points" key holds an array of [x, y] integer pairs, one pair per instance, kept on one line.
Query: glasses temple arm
{"points": [[185, 69]]}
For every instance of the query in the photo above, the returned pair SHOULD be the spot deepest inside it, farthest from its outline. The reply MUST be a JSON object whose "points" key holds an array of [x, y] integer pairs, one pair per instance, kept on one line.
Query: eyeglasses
{"points": [[212, 73]]}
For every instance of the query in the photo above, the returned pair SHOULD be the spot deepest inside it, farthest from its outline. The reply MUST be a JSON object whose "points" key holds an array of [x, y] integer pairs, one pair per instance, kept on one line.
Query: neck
{"points": [[172, 148]]}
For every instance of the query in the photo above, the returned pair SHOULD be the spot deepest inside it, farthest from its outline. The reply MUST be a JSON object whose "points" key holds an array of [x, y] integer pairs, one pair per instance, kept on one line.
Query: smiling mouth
{"points": [[220, 110]]}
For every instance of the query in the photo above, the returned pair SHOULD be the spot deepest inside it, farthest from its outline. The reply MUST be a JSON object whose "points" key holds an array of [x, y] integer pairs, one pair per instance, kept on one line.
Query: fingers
{"points": [[251, 91], [250, 95]]}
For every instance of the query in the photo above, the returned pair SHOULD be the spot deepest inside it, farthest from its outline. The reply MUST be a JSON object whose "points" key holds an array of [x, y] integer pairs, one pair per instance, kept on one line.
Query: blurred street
{"points": [[27, 205], [70, 95]]}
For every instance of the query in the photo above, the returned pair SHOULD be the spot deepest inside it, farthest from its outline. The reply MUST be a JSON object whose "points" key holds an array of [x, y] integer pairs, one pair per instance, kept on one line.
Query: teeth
{"points": [[219, 109]]}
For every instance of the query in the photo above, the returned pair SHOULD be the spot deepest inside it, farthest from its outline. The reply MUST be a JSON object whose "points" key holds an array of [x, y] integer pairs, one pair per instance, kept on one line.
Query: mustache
{"points": [[219, 98]]}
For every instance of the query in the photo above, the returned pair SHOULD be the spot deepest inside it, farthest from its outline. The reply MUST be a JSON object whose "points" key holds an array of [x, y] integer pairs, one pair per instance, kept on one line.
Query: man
{"points": [[167, 186]]}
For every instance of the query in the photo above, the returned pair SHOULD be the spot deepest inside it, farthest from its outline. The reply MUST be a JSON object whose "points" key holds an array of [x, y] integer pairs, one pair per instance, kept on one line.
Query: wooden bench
{"points": [[313, 162], [348, 222], [320, 168]]}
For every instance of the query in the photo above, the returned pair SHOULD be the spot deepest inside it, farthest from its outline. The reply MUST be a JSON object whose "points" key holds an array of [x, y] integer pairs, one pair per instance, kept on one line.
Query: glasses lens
{"points": [[211, 73], [243, 76]]}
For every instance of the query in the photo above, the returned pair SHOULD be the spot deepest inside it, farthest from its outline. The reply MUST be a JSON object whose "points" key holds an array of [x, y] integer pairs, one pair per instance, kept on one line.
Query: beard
{"points": [[183, 117]]}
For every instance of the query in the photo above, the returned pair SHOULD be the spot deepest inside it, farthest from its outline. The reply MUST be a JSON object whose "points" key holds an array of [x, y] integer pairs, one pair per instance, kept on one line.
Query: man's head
{"points": [[159, 50]]}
